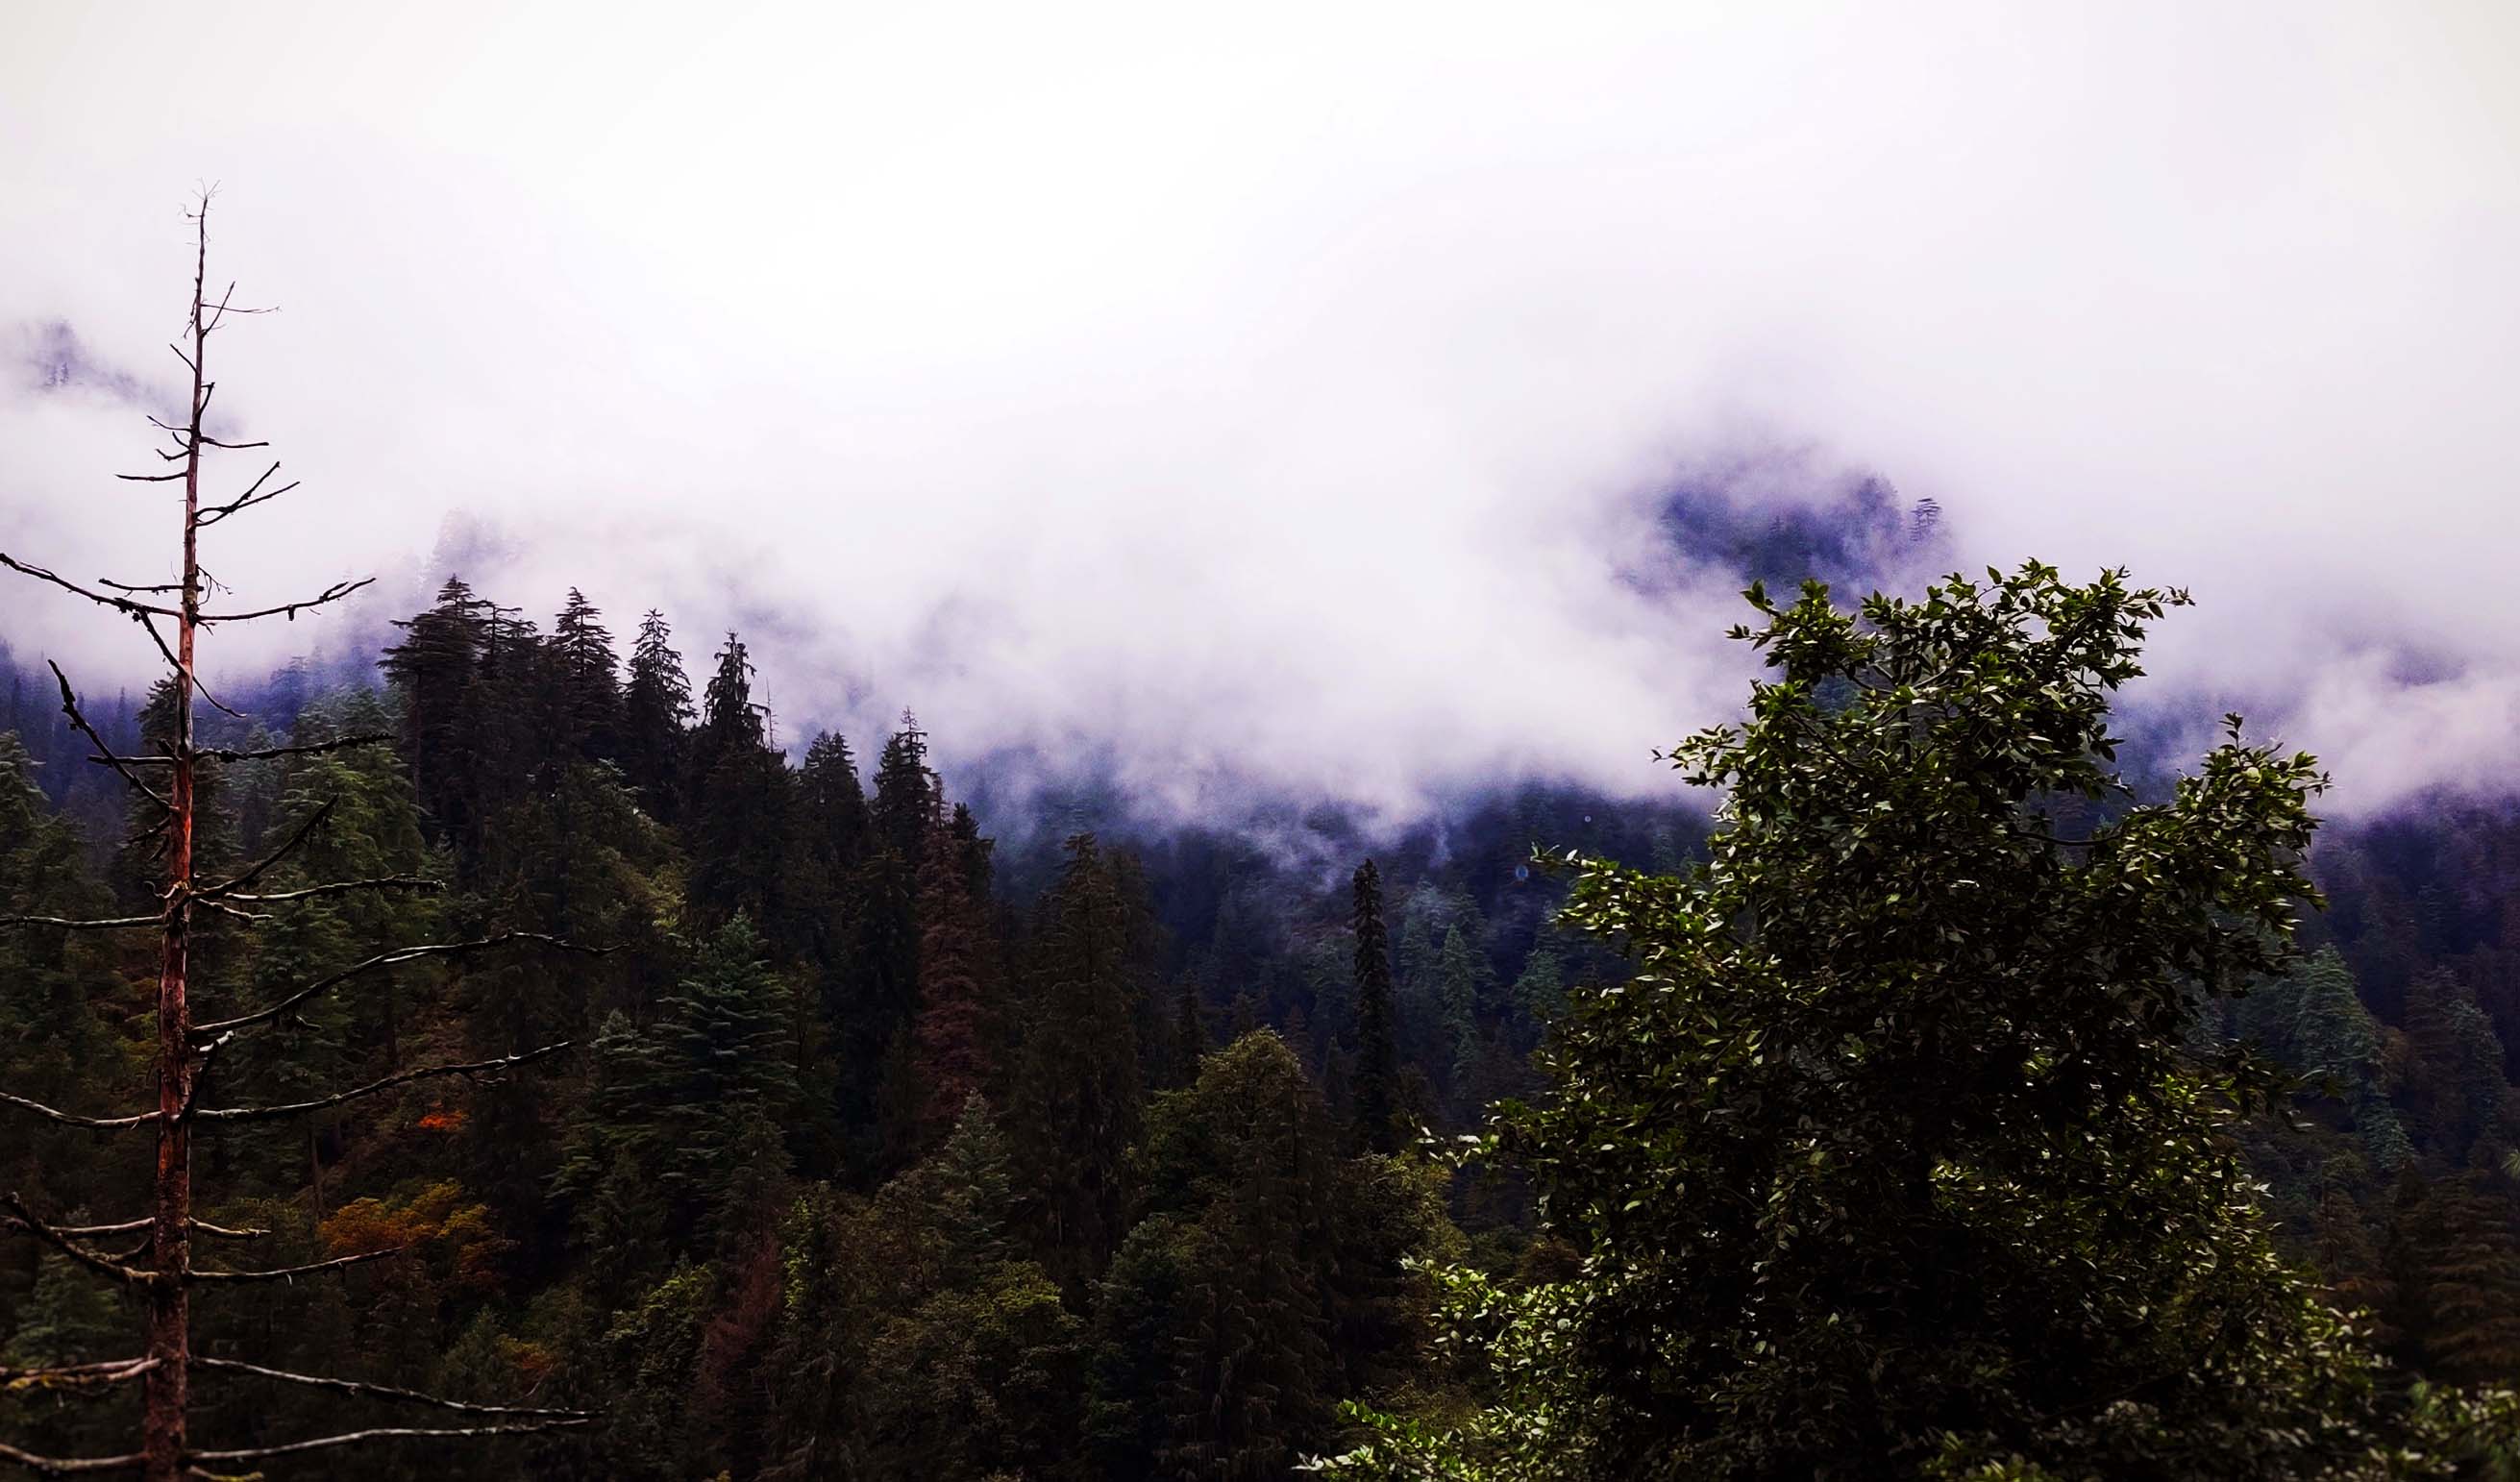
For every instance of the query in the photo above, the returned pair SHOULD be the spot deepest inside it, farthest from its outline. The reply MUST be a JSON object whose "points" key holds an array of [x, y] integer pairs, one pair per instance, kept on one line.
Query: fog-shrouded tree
{"points": [[656, 717], [586, 692]]}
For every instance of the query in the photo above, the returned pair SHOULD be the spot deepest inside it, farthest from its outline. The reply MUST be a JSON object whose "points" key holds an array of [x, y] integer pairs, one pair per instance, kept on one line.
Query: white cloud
{"points": [[1280, 391]]}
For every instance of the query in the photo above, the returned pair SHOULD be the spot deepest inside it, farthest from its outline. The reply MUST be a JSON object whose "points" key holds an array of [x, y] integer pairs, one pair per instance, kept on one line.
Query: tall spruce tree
{"points": [[679, 1099], [1246, 1398], [656, 718], [586, 698], [2457, 1258], [905, 793], [950, 1032], [436, 667], [741, 822], [834, 804], [1378, 1060], [1078, 1096], [2464, 1094]]}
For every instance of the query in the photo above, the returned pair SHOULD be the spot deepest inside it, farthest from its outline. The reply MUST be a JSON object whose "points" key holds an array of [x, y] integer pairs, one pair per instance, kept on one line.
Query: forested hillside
{"points": [[862, 1167], [865, 1162], [1643, 743]]}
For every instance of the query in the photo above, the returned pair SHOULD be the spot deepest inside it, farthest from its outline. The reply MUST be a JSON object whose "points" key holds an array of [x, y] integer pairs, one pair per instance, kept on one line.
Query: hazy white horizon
{"points": [[1280, 396]]}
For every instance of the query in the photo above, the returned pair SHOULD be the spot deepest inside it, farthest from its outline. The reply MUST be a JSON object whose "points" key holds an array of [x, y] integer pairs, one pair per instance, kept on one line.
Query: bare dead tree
{"points": [[161, 1270]]}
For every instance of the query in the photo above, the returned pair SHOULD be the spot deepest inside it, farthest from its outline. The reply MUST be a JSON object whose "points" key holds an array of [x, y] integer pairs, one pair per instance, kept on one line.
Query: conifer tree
{"points": [[1188, 1035], [48, 1023], [437, 668], [971, 853], [656, 718], [953, 1053], [1378, 1067], [680, 1098], [1212, 1356], [834, 804], [1540, 987], [1246, 1397], [905, 793], [872, 995], [969, 1374], [522, 748], [1463, 976], [1078, 1094], [2463, 1087], [740, 815], [587, 697], [2457, 1262]]}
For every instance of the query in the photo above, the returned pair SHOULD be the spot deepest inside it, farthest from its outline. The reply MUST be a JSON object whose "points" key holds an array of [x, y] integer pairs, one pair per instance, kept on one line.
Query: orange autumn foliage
{"points": [[445, 1119], [456, 1236]]}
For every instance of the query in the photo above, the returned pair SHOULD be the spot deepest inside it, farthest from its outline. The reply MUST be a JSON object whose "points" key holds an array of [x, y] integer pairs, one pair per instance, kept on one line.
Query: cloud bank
{"points": [[1285, 399]]}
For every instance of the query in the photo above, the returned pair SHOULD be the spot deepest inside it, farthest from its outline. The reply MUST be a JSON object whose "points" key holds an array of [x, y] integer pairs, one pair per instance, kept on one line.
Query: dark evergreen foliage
{"points": [[656, 718], [1378, 1062], [895, 1153]]}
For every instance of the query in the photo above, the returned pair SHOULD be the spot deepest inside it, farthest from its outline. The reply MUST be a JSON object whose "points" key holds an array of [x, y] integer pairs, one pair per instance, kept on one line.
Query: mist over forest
{"points": [[1128, 745]]}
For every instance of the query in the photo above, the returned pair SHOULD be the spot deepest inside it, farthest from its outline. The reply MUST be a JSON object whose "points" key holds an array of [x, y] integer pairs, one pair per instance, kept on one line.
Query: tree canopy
{"points": [[1897, 1152]]}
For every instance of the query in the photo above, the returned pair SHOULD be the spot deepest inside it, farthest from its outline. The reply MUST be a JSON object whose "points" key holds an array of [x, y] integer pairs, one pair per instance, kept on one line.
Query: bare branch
{"points": [[290, 1272], [259, 754], [160, 639], [239, 506], [124, 586], [381, 1433], [217, 513], [207, 441], [345, 887], [64, 1466], [25, 1218], [220, 310], [75, 1376], [177, 664], [94, 924], [68, 1119], [150, 478], [323, 811], [70, 707], [388, 1392], [239, 913], [198, 1227], [332, 594], [387, 960], [424, 1072], [119, 603]]}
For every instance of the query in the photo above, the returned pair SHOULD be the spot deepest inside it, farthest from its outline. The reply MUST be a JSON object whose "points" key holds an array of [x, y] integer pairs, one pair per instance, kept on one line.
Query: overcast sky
{"points": [[1279, 390]]}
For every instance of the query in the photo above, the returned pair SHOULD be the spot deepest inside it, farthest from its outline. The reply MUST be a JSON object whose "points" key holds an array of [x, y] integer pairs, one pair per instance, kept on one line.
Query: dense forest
{"points": [[866, 1167], [539, 1045], [867, 1163]]}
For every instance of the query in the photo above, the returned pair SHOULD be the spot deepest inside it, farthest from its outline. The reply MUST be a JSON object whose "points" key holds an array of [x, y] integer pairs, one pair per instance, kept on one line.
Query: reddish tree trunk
{"points": [[169, 1380]]}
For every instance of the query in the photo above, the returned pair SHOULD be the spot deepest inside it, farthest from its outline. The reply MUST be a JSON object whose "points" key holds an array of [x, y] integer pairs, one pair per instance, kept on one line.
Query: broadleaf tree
{"points": [[1894, 1156]]}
